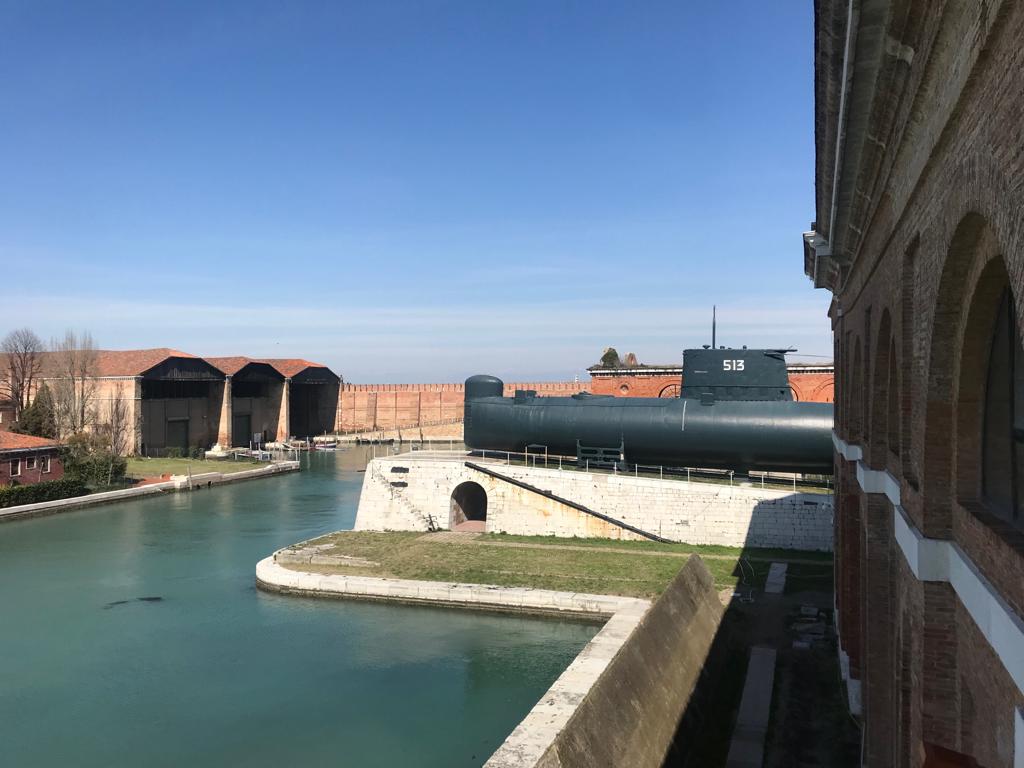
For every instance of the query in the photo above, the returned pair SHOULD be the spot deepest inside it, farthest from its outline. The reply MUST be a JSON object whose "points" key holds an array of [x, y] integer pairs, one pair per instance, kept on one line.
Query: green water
{"points": [[216, 673]]}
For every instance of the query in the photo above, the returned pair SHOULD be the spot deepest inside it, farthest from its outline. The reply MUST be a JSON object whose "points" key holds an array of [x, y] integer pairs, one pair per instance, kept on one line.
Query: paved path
{"points": [[747, 747], [460, 537]]}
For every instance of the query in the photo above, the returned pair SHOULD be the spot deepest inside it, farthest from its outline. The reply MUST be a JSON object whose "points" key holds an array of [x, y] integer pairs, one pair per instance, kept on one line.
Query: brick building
{"points": [[7, 412], [812, 383], [26, 460], [176, 400], [369, 407], [919, 235]]}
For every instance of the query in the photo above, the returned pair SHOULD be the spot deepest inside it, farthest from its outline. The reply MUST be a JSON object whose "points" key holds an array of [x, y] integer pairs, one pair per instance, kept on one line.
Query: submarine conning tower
{"points": [[736, 411], [735, 374]]}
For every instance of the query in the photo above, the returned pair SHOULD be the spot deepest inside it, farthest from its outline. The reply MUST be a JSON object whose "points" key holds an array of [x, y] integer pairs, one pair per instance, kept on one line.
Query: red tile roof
{"points": [[290, 366], [12, 441], [133, 362], [120, 362]]}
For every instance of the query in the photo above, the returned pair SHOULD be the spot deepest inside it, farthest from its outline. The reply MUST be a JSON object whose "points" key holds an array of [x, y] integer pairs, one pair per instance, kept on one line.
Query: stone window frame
{"points": [[984, 281]]}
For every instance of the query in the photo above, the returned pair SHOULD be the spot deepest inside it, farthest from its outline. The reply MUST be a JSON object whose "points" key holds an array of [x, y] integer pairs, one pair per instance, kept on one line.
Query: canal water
{"points": [[132, 634]]}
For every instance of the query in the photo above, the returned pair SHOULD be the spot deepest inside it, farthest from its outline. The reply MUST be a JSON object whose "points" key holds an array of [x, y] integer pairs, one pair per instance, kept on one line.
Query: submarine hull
{"points": [[777, 436]]}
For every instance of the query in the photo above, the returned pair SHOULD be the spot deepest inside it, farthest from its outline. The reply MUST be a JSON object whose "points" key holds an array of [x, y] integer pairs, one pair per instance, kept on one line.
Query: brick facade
{"points": [[6, 414], [294, 398], [27, 460], [918, 237], [369, 407], [815, 385]]}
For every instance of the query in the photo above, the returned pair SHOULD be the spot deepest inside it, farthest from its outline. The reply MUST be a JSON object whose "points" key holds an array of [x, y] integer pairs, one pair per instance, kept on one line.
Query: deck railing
{"points": [[566, 463]]}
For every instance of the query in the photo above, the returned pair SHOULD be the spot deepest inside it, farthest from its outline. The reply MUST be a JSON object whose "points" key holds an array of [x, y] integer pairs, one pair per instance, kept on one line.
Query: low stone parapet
{"points": [[408, 491], [617, 703]]}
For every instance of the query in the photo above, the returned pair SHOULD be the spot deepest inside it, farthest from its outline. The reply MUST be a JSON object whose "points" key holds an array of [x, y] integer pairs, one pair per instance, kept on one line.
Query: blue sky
{"points": [[410, 191]]}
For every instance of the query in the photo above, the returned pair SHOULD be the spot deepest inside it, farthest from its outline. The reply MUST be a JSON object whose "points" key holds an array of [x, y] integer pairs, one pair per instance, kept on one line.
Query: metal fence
{"points": [[563, 463]]}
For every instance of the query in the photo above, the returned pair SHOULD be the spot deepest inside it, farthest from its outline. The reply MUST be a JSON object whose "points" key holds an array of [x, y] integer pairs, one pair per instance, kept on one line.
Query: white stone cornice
{"points": [[848, 451], [942, 560]]}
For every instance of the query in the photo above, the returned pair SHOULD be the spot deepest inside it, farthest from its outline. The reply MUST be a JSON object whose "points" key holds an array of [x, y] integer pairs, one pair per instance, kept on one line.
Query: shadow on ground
{"points": [[809, 724]]}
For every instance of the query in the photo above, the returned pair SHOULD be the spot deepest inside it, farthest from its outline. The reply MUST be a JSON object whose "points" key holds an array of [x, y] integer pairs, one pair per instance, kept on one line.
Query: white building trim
{"points": [[942, 560]]}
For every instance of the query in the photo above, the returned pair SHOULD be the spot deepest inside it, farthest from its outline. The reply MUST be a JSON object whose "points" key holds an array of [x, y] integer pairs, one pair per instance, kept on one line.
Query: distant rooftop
{"points": [[12, 441], [136, 362]]}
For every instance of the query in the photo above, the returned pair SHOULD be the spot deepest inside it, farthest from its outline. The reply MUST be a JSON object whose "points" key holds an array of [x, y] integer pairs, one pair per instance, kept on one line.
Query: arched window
{"points": [[672, 390], [1002, 444], [893, 407]]}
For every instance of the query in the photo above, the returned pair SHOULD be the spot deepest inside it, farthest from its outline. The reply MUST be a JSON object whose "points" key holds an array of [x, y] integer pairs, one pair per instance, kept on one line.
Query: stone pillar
{"points": [[224, 436], [284, 418], [879, 631]]}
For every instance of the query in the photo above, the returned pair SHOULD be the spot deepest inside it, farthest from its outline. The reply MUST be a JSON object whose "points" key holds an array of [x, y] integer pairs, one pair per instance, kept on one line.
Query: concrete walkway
{"points": [[176, 483], [747, 747]]}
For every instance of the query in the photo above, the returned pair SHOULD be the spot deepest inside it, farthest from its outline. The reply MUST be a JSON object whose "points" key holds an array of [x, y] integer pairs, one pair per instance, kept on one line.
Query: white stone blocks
{"points": [[695, 513]]}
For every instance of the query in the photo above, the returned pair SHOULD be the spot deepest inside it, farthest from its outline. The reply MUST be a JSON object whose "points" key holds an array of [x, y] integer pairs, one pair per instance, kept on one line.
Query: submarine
{"points": [[735, 411]]}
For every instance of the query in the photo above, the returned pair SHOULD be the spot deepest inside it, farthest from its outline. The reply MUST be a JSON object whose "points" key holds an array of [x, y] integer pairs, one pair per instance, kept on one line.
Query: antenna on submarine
{"points": [[714, 312]]}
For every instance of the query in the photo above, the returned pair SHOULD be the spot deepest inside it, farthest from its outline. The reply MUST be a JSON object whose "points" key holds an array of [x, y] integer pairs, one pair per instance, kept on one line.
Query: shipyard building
{"points": [[182, 403]]}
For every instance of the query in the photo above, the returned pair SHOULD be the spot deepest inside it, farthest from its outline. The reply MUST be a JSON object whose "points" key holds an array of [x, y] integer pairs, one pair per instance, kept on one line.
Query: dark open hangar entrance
{"points": [[180, 405], [314, 401], [256, 403]]}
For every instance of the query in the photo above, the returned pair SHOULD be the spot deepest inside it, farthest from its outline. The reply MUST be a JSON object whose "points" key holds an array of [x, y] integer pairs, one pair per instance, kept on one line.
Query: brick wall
{"points": [[6, 415], [808, 387], [367, 407], [31, 476], [637, 384], [930, 230]]}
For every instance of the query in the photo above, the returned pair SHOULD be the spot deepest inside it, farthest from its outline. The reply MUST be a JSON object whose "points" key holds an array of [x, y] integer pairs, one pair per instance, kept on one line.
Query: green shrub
{"points": [[196, 452], [172, 453], [87, 460], [38, 418], [13, 495]]}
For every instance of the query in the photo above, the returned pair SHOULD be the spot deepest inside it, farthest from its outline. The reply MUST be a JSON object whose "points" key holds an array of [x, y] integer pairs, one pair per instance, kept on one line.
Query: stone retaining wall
{"points": [[617, 703], [629, 716], [176, 483], [691, 512]]}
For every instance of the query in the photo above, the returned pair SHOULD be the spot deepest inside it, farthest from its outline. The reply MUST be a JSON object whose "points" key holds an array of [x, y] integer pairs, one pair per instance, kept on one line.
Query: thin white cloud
{"points": [[416, 342]]}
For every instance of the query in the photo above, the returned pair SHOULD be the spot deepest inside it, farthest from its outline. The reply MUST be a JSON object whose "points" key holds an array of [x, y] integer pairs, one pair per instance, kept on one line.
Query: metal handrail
{"points": [[566, 462]]}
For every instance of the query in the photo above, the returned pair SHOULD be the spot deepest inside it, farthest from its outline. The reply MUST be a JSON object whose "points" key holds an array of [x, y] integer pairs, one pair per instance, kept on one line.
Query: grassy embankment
{"points": [[630, 568], [139, 468]]}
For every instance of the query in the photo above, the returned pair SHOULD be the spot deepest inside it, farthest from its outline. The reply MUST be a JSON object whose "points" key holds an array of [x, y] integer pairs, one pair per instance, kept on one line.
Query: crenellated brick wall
{"points": [[367, 407], [816, 387]]}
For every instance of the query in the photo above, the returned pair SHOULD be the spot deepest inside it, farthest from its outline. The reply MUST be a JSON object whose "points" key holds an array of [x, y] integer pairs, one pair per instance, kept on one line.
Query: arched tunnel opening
{"points": [[468, 507]]}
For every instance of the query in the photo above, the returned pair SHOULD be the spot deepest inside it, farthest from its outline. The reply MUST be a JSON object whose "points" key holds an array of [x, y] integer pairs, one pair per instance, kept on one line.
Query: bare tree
{"points": [[74, 359], [23, 358], [116, 429]]}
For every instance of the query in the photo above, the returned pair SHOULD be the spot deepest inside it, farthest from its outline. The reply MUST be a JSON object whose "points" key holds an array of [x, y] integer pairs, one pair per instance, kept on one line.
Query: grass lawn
{"points": [[140, 467], [548, 564], [754, 553]]}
